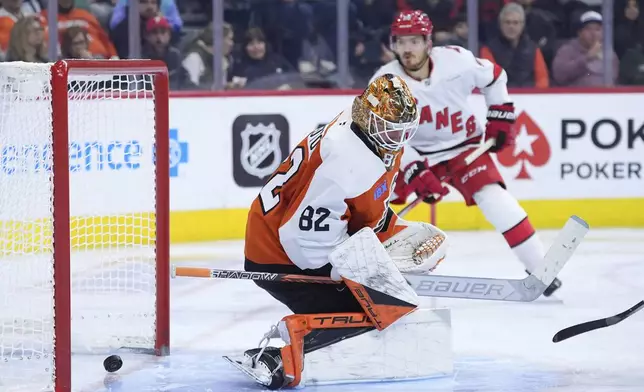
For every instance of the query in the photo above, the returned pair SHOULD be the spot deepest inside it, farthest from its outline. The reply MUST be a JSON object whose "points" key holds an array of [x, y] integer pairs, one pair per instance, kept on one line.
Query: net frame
{"points": [[60, 72]]}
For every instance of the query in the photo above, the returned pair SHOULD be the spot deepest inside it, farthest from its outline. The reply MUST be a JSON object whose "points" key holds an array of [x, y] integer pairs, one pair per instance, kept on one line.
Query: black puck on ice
{"points": [[112, 363]]}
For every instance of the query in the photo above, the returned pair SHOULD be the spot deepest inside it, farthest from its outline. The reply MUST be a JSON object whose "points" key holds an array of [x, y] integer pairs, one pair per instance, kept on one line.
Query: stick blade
{"points": [[578, 329], [588, 326], [522, 290]]}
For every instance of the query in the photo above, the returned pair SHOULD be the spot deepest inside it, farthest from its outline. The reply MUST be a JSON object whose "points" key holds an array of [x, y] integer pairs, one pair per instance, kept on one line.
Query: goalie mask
{"points": [[386, 112]]}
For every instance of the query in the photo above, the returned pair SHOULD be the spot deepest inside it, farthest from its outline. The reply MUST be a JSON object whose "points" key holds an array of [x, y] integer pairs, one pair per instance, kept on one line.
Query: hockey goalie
{"points": [[324, 212]]}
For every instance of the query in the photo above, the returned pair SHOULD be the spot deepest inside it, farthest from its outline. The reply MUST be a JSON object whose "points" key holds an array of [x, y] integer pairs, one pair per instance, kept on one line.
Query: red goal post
{"points": [[84, 219]]}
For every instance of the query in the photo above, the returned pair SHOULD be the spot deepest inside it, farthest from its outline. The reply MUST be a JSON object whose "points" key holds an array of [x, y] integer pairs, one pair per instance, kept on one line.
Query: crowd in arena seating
{"points": [[287, 44]]}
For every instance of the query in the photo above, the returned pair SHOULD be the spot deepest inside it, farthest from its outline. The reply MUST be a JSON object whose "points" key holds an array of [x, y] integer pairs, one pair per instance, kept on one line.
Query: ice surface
{"points": [[499, 346]]}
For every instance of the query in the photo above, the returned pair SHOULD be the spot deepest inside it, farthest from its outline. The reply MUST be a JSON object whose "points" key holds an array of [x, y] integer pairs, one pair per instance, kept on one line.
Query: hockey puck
{"points": [[112, 363]]}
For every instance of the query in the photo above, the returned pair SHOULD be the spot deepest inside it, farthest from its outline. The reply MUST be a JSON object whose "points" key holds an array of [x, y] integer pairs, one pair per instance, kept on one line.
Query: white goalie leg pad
{"points": [[363, 259], [417, 346], [418, 248]]}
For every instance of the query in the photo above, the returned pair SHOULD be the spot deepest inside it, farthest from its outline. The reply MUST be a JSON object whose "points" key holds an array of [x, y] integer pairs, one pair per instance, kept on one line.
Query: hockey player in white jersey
{"points": [[442, 79]]}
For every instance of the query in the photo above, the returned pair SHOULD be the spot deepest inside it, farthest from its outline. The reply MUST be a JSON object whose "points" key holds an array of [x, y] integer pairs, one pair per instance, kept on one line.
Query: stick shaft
{"points": [[214, 273], [523, 290]]}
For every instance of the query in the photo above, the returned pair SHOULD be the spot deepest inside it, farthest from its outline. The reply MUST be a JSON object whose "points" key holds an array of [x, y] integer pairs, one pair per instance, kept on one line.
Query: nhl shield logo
{"points": [[260, 142], [260, 154]]}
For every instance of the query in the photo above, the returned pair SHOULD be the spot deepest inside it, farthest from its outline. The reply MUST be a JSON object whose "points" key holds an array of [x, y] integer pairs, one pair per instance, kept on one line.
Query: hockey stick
{"points": [[213, 273], [588, 326], [480, 150], [523, 290]]}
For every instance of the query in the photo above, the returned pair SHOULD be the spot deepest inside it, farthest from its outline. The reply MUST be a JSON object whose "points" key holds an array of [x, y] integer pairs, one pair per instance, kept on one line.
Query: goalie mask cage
{"points": [[84, 227]]}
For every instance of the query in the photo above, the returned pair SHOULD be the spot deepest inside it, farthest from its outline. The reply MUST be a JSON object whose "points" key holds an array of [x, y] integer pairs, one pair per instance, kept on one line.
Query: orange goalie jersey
{"points": [[333, 184]]}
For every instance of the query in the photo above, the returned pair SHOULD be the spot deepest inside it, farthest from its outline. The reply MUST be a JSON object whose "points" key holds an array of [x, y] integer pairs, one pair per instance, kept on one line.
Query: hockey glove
{"points": [[418, 248], [418, 178], [500, 126]]}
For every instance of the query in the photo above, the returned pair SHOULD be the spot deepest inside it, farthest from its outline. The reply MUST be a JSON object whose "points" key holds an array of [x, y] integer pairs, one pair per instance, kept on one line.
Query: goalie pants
{"points": [[306, 298], [311, 298]]}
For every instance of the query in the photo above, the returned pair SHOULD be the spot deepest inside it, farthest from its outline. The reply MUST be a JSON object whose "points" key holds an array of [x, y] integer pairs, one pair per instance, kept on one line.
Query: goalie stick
{"points": [[522, 290], [214, 273], [480, 150], [588, 326]]}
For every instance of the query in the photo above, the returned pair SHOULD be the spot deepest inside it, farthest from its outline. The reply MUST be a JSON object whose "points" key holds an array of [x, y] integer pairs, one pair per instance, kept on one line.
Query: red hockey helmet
{"points": [[412, 23]]}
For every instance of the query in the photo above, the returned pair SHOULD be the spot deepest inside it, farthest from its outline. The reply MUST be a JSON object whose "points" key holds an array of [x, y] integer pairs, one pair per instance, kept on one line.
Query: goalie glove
{"points": [[417, 247]]}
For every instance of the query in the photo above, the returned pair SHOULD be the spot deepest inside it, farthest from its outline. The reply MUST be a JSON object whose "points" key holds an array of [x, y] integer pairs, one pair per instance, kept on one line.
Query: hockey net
{"points": [[83, 216]]}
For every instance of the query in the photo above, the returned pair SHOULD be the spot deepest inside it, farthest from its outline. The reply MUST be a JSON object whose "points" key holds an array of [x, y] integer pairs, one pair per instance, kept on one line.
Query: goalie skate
{"points": [[264, 366]]}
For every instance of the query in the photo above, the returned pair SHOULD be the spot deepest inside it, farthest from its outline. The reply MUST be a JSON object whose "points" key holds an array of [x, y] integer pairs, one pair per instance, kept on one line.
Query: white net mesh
{"points": [[112, 202]]}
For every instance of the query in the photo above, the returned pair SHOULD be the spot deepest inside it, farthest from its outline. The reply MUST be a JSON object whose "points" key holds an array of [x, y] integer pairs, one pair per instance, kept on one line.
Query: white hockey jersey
{"points": [[447, 122], [331, 186]]}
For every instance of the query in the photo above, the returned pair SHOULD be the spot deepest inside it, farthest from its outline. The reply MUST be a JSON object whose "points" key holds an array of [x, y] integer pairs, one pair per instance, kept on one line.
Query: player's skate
{"points": [[554, 286], [263, 364]]}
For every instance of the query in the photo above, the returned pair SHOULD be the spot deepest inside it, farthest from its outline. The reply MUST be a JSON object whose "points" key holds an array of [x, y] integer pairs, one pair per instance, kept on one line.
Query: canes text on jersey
{"points": [[444, 119]]}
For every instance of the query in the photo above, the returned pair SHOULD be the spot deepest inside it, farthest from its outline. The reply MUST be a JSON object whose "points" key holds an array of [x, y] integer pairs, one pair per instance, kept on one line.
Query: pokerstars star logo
{"points": [[531, 148]]}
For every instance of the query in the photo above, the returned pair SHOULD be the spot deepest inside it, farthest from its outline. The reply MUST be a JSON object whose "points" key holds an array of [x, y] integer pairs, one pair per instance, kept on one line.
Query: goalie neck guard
{"points": [[386, 112]]}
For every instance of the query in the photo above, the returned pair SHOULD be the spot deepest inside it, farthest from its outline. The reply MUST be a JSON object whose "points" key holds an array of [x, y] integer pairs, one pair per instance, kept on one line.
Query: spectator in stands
{"points": [[368, 56], [580, 61], [101, 9], [629, 25], [460, 31], [488, 15], [157, 47], [75, 44], [257, 60], [631, 70], [375, 15], [458, 35], [148, 9], [100, 45], [515, 52], [11, 11], [167, 8], [316, 55], [373, 18], [568, 14], [286, 25], [386, 54], [629, 34], [441, 12], [540, 27], [27, 42], [198, 61]]}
